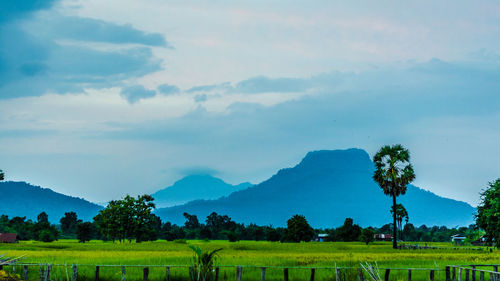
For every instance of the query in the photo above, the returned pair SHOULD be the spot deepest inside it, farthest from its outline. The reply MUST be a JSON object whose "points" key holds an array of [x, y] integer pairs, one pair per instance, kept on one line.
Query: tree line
{"points": [[131, 220]]}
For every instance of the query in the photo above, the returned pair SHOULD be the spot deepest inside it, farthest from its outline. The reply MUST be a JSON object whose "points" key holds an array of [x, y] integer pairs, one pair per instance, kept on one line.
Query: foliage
{"points": [[2, 175], [128, 219], [84, 232], [372, 271], [488, 213], [298, 229], [349, 231], [43, 230], [202, 264], [4, 276], [393, 173], [367, 235], [69, 223], [401, 214]]}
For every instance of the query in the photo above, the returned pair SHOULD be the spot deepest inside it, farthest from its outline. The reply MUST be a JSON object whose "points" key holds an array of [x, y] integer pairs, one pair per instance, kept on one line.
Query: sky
{"points": [[99, 99]]}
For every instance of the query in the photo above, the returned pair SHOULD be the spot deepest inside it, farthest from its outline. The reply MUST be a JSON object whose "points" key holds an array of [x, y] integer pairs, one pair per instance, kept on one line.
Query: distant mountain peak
{"points": [[195, 187], [326, 186], [337, 159], [29, 200]]}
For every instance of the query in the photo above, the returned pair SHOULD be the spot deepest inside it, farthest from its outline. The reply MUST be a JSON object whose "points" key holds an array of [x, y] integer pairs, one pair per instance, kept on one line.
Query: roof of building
{"points": [[8, 237]]}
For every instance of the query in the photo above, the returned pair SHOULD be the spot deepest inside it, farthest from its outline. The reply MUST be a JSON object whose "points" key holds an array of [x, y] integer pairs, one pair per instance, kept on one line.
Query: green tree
{"points": [[2, 175], [43, 230], [84, 232], [298, 229], [128, 218], [393, 173], [488, 213], [367, 235], [69, 223], [349, 231], [401, 214]]}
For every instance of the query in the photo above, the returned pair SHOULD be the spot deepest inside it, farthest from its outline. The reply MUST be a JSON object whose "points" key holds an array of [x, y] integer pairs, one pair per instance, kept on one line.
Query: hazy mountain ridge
{"points": [[326, 186], [26, 200], [195, 187]]}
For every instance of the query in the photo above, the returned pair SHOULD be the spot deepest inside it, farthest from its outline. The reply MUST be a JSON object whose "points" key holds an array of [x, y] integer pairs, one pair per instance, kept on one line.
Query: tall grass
{"points": [[298, 257]]}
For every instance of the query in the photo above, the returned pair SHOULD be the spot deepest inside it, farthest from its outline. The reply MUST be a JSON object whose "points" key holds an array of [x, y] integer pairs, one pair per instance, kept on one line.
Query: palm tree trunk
{"points": [[394, 231]]}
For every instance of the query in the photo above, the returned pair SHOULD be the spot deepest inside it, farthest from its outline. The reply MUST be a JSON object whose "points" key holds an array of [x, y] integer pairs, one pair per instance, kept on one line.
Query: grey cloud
{"points": [[200, 98], [135, 93], [33, 61], [92, 30], [167, 89], [262, 84]]}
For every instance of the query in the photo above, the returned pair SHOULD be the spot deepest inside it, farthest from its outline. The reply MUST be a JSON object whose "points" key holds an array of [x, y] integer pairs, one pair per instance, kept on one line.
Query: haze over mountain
{"points": [[26, 200], [326, 186], [195, 187]]}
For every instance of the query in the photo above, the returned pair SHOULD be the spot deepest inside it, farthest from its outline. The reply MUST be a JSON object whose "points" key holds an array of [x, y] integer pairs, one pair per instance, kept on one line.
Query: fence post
{"points": [[124, 273], [313, 272], [96, 273], [285, 274], [432, 275], [338, 274], [409, 274], [49, 269], [238, 273], [25, 272], [361, 276], [466, 274], [481, 275], [145, 274], [216, 274], [263, 274], [473, 273], [74, 276], [454, 274], [168, 273], [387, 272], [448, 274]]}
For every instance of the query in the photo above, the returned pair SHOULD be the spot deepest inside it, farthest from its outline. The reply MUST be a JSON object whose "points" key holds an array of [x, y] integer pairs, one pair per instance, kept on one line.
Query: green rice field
{"points": [[299, 258]]}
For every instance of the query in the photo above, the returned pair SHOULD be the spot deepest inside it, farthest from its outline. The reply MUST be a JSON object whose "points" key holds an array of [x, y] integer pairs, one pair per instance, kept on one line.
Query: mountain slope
{"points": [[26, 200], [195, 187], [326, 187]]}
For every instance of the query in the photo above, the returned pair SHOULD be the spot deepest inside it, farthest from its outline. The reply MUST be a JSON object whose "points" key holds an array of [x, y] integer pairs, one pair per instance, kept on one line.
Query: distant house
{"points": [[8, 238], [382, 237], [458, 239], [321, 237]]}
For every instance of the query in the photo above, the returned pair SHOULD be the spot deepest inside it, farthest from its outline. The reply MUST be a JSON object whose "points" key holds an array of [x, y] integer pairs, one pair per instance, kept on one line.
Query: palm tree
{"points": [[1, 175], [401, 214], [393, 173]]}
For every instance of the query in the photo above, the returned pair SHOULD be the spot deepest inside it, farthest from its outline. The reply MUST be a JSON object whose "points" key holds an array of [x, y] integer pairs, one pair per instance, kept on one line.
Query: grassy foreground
{"points": [[243, 253]]}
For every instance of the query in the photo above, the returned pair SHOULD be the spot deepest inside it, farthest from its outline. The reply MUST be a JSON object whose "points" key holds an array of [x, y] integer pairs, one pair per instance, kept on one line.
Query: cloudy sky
{"points": [[103, 98]]}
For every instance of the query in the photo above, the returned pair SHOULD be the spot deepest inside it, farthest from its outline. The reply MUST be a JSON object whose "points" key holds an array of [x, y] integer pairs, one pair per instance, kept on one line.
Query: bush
{"points": [[180, 241], [46, 236], [4, 276], [232, 236]]}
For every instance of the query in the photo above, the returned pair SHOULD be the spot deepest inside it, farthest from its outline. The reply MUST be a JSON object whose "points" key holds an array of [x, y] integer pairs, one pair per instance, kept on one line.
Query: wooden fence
{"points": [[452, 272], [470, 272]]}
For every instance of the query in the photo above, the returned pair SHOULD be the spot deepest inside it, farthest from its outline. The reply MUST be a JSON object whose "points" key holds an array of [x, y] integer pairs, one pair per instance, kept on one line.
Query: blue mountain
{"points": [[326, 186], [26, 200], [195, 187]]}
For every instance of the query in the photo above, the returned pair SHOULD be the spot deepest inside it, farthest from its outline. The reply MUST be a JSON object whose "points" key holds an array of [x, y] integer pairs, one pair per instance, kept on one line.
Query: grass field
{"points": [[296, 256]]}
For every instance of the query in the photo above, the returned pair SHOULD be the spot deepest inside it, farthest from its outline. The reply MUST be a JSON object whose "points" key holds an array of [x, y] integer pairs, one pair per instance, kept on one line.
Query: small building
{"points": [[8, 238], [458, 239], [382, 237], [321, 237]]}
